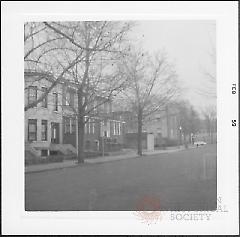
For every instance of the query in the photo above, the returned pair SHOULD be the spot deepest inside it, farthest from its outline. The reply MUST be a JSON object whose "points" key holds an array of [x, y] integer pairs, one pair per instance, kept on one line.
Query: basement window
{"points": [[44, 152]]}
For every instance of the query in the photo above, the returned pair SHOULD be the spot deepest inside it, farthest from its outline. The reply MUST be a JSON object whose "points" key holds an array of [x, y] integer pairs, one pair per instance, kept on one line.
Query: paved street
{"points": [[178, 180]]}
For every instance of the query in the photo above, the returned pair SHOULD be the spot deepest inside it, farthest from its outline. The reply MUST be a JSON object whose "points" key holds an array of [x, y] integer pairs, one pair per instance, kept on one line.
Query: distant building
{"points": [[129, 118], [164, 125]]}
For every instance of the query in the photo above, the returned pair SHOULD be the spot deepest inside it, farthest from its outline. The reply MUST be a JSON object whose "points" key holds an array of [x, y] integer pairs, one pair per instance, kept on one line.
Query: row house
{"points": [[52, 123], [164, 125], [43, 122]]}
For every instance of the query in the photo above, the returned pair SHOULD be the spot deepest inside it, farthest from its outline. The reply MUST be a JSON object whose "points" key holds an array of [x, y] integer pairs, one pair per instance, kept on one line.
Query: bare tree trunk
{"points": [[185, 141], [80, 128], [139, 140], [211, 136], [81, 110], [168, 126], [190, 139]]}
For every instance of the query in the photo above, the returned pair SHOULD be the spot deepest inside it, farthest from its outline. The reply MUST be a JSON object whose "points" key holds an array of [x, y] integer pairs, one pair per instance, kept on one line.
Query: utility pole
{"points": [[103, 146]]}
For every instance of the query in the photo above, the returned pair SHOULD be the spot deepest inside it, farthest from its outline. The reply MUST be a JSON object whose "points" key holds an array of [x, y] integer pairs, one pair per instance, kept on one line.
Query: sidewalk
{"points": [[98, 160]]}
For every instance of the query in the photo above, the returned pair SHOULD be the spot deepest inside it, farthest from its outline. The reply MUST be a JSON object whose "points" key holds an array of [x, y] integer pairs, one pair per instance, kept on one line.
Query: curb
{"points": [[99, 162], [50, 169]]}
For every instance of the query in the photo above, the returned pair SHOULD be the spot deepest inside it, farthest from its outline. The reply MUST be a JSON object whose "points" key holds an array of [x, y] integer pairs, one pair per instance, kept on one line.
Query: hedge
{"points": [[41, 160]]}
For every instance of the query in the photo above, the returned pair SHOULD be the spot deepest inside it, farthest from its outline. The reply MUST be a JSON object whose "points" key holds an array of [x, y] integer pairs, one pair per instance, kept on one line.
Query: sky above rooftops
{"points": [[188, 44]]}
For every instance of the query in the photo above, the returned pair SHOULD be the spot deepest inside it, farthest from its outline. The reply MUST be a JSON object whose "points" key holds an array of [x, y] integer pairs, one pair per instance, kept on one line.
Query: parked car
{"points": [[200, 143]]}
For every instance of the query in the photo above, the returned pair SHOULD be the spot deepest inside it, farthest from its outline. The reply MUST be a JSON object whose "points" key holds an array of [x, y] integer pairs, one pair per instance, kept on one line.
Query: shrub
{"points": [[170, 142], [34, 161], [54, 158], [48, 159], [70, 157], [91, 154]]}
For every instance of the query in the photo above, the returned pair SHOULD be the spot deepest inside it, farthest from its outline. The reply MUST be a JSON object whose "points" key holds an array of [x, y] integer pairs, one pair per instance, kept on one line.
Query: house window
{"points": [[32, 94], [105, 122], [93, 126], [119, 128], [73, 124], [85, 125], [32, 130], [44, 152], [55, 101], [114, 128], [89, 126], [44, 130], [70, 98], [67, 125], [45, 100]]}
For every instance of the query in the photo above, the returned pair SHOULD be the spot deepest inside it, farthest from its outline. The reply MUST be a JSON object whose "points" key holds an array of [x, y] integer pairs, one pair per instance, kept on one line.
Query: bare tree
{"points": [[208, 88], [47, 55], [101, 45], [189, 120], [210, 121], [152, 84], [194, 124]]}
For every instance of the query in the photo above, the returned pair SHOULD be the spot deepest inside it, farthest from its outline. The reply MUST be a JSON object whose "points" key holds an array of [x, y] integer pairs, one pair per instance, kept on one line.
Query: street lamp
{"points": [[103, 134], [180, 134]]}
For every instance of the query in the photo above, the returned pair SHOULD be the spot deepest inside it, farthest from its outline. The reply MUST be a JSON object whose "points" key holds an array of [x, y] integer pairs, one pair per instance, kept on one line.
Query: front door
{"points": [[55, 133]]}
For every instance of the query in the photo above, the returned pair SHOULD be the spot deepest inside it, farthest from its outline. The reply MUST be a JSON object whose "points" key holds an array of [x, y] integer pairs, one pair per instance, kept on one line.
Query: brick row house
{"points": [[52, 124], [164, 125]]}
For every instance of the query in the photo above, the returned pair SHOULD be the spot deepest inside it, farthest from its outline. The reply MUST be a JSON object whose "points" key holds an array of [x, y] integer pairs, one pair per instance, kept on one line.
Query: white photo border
{"points": [[17, 221]]}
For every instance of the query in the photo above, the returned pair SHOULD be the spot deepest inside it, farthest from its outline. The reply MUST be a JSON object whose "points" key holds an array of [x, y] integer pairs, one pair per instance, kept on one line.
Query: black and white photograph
{"points": [[102, 91], [123, 116]]}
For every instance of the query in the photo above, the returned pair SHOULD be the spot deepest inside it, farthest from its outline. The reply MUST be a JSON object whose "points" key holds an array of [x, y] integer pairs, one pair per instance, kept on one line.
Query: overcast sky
{"points": [[188, 44]]}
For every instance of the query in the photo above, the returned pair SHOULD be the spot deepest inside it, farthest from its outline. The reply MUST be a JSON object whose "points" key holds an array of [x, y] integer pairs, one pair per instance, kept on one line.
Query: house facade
{"points": [[52, 123], [164, 125], [43, 123]]}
